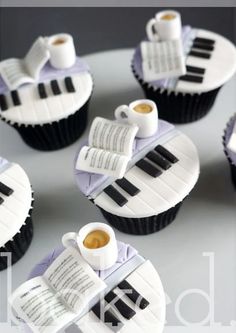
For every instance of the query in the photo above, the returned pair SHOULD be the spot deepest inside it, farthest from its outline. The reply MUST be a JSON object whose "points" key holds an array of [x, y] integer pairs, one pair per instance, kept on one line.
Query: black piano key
{"points": [[120, 305], [159, 160], [42, 90], [200, 54], [133, 295], [55, 87], [115, 195], [69, 84], [4, 189], [204, 40], [148, 168], [15, 97], [202, 46], [3, 102], [191, 78], [166, 153], [196, 70], [1, 200], [106, 316], [128, 187]]}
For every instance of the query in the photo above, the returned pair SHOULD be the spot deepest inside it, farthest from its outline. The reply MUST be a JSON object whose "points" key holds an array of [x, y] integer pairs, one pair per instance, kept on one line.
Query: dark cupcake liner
{"points": [[231, 165], [142, 226], [55, 135], [177, 107], [18, 245]]}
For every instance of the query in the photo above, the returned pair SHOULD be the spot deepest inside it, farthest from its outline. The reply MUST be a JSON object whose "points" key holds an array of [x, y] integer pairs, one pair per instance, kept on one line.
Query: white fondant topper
{"points": [[100, 257], [62, 50], [110, 148], [143, 113], [165, 26], [15, 200]]}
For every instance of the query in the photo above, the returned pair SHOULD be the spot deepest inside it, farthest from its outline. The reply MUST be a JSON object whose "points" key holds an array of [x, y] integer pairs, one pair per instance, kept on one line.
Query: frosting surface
{"points": [[15, 207], [218, 69], [35, 110]]}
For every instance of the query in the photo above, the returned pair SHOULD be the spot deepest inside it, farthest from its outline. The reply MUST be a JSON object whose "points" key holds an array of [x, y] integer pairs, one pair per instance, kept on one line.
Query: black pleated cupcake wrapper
{"points": [[177, 107], [55, 135], [145, 225], [19, 244], [231, 165]]}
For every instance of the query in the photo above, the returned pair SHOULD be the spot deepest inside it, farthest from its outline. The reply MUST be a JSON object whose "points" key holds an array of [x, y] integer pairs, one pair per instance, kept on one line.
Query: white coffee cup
{"points": [[146, 121], [62, 51], [165, 26], [98, 258]]}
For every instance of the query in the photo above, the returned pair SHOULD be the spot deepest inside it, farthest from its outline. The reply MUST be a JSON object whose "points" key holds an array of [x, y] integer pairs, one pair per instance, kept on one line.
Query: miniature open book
{"points": [[50, 302], [109, 148], [16, 72], [163, 59]]}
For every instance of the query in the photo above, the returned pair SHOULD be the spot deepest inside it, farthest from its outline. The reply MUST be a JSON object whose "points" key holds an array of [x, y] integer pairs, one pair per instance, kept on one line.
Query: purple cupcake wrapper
{"points": [[145, 225], [20, 243], [231, 165], [55, 135], [177, 107]]}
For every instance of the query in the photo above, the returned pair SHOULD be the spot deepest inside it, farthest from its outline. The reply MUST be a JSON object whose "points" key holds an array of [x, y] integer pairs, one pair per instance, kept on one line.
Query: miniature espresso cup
{"points": [[62, 51], [165, 26], [143, 113], [97, 244]]}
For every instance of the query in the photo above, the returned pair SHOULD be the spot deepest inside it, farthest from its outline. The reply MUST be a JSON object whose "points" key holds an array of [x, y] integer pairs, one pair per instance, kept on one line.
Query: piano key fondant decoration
{"points": [[133, 301], [162, 172], [51, 112], [230, 153], [210, 63], [16, 199]]}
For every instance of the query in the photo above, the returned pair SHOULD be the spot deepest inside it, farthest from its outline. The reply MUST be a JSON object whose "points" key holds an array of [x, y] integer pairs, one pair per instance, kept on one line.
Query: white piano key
{"points": [[104, 201], [33, 109], [183, 144], [142, 317], [15, 208], [136, 203]]}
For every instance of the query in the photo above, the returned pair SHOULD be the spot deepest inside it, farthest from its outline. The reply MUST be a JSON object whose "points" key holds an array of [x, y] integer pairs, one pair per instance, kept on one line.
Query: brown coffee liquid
{"points": [[143, 108], [96, 239], [168, 17], [59, 41]]}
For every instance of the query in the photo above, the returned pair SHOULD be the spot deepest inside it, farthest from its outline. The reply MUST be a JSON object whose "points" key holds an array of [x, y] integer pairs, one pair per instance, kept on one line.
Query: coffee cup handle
{"points": [[121, 113], [69, 239], [151, 31]]}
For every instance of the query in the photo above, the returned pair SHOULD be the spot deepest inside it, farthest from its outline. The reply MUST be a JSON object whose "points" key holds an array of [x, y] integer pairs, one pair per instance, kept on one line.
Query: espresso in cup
{"points": [[58, 41], [168, 17], [96, 239], [143, 108]]}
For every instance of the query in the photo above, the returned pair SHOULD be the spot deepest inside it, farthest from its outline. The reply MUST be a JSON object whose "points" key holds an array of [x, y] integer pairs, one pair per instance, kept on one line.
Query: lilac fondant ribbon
{"points": [[49, 73], [228, 133], [137, 59], [89, 182], [3, 163], [125, 253]]}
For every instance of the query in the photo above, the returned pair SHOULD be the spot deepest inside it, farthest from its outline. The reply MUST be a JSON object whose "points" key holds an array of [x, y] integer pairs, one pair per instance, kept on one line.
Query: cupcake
{"points": [[134, 295], [45, 96], [146, 195], [16, 199], [188, 96], [229, 142]]}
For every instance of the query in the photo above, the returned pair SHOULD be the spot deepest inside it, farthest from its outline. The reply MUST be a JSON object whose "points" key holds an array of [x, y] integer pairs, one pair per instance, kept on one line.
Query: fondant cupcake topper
{"points": [[64, 291], [161, 172], [45, 96], [97, 245]]}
